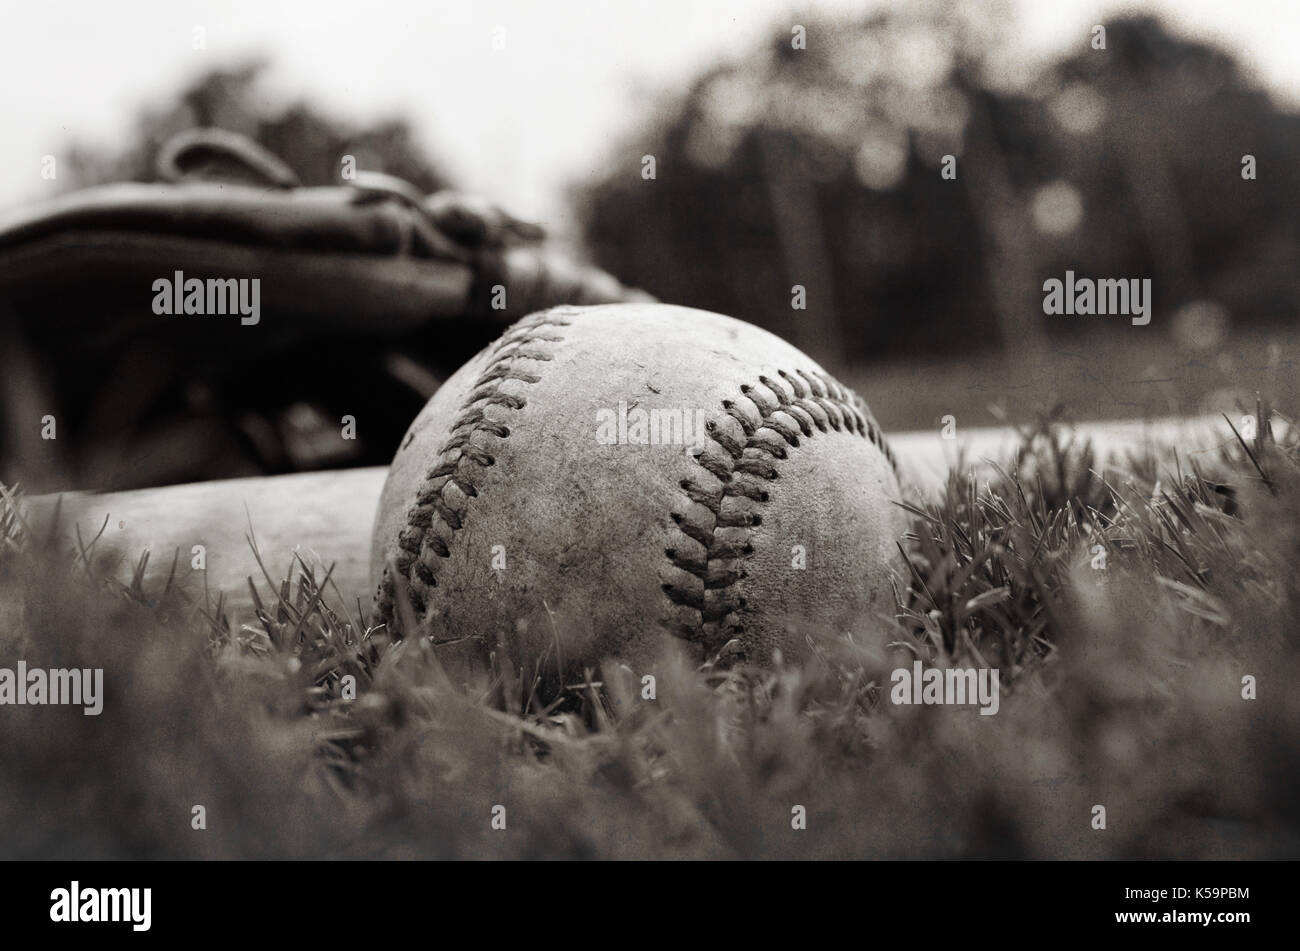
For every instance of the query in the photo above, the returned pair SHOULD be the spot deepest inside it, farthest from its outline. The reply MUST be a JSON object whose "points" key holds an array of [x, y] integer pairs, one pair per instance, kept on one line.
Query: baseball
{"points": [[603, 481]]}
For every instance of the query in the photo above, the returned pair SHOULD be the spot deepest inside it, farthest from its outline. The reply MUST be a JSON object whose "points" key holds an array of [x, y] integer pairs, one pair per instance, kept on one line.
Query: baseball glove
{"points": [[367, 295]]}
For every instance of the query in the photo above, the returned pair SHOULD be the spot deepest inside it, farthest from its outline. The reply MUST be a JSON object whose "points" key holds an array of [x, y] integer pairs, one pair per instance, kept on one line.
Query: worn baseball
{"points": [[604, 480]]}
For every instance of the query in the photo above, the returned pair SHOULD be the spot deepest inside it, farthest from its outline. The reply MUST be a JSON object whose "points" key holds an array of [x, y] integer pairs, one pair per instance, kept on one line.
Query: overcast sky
{"points": [[515, 124]]}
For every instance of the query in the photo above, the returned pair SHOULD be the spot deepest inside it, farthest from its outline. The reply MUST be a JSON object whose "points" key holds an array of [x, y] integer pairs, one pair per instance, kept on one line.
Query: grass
{"points": [[1123, 609]]}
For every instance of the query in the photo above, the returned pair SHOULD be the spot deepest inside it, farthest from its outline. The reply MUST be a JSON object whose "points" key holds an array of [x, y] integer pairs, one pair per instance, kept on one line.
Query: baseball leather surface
{"points": [[546, 502]]}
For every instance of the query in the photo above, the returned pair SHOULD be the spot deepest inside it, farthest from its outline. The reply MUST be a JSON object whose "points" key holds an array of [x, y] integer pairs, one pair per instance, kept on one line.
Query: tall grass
{"points": [[1123, 609]]}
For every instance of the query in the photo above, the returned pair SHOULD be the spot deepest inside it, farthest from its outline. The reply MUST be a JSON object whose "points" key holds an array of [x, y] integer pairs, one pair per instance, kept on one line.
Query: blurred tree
{"points": [[1152, 135], [821, 167], [309, 141]]}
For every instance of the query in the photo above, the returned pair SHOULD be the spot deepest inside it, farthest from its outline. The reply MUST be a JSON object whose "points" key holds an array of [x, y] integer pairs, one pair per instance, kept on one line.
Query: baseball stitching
{"points": [[755, 433], [437, 514]]}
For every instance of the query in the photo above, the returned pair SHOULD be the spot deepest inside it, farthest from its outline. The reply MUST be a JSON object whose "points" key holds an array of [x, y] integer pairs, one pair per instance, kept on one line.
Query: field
{"points": [[1098, 375], [1143, 620]]}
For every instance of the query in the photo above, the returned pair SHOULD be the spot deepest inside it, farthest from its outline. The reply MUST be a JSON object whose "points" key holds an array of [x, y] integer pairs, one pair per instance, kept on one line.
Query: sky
{"points": [[517, 123]]}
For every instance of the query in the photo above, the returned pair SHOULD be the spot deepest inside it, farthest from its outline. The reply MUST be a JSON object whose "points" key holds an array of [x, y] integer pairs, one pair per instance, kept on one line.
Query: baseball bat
{"points": [[325, 518], [210, 532]]}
